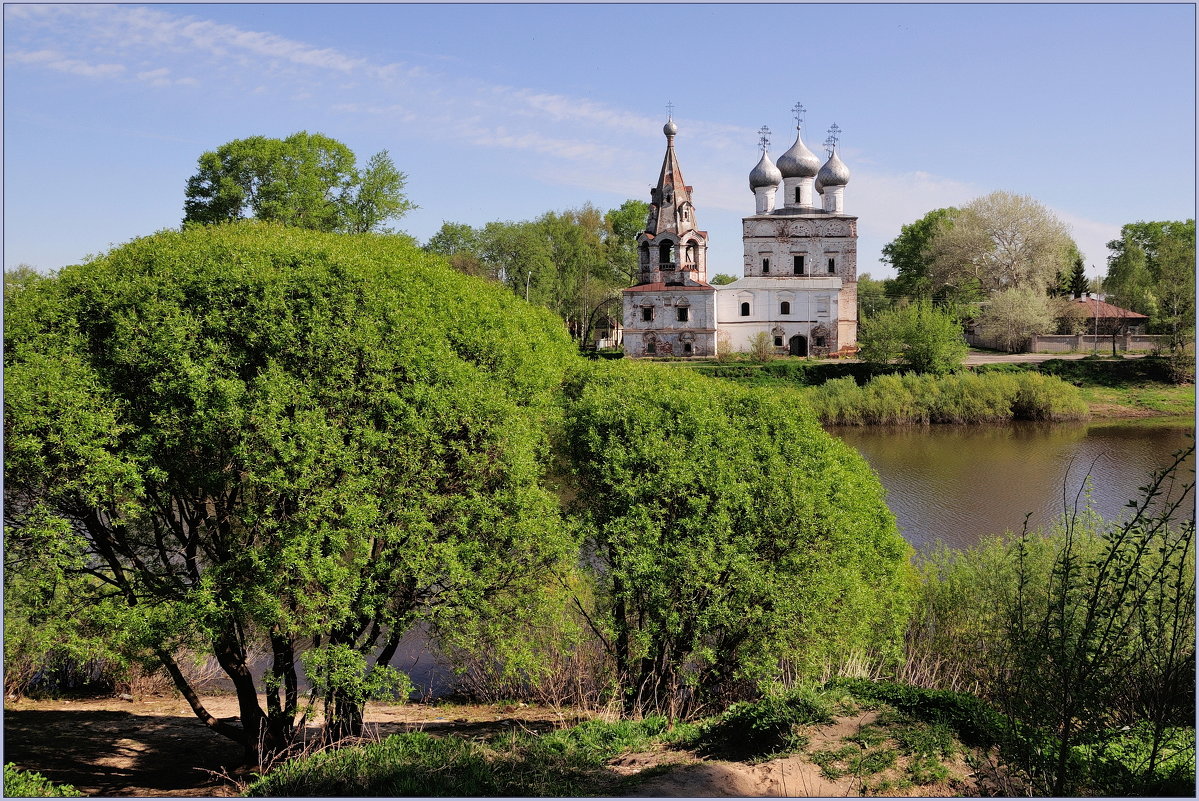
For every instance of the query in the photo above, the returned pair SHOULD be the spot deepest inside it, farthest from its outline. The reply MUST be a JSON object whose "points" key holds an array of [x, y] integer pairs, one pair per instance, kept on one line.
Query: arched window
{"points": [[643, 254], [785, 307], [832, 265], [765, 265], [692, 251], [745, 309], [666, 253]]}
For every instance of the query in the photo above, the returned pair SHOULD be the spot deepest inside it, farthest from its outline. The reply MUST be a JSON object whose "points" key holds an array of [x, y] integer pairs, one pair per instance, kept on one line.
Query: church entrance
{"points": [[799, 345]]}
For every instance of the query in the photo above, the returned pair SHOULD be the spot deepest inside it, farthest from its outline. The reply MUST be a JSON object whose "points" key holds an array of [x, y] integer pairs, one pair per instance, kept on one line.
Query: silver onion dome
{"points": [[819, 186], [765, 174], [798, 162], [670, 129], [834, 172]]}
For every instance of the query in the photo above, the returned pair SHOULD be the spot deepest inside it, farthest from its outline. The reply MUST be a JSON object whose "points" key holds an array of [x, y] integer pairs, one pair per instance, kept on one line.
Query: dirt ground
{"points": [[155, 747]]}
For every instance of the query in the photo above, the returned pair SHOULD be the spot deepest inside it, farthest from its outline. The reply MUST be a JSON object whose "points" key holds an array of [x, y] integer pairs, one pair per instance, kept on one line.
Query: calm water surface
{"points": [[959, 483]]}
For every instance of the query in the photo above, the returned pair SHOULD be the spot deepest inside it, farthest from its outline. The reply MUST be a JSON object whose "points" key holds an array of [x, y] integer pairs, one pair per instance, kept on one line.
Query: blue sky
{"points": [[503, 112]]}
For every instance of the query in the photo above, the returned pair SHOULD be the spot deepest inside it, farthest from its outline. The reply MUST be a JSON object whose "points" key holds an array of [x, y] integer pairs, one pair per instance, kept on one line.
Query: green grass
{"points": [[20, 783], [567, 762]]}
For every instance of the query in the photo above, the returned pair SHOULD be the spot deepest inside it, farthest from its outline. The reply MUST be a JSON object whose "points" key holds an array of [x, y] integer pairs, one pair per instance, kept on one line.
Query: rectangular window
{"points": [[799, 265], [687, 347], [820, 342], [682, 314], [778, 341], [832, 265], [765, 265], [647, 313], [822, 306]]}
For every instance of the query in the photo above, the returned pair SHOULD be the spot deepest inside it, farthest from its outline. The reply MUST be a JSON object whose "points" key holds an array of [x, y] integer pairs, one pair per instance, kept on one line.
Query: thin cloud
{"points": [[56, 61]]}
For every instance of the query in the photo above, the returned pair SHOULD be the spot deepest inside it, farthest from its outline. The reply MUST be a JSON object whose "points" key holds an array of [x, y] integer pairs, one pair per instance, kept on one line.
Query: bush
{"points": [[726, 532], [957, 398], [922, 337], [771, 725], [20, 783]]}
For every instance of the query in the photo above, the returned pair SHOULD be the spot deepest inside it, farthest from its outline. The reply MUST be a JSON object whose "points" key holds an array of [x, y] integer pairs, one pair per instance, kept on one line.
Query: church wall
{"points": [[669, 334]]}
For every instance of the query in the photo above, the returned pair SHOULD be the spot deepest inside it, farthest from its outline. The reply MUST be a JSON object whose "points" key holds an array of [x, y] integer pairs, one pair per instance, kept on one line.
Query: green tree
{"points": [[1151, 270], [722, 279], [1079, 285], [919, 335], [306, 180], [873, 296], [1013, 315], [620, 238], [252, 437], [461, 245], [910, 253], [998, 241], [783, 553]]}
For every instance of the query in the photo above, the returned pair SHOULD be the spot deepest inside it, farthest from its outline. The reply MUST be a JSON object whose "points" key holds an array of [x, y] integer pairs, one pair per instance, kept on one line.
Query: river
{"points": [[955, 484]]}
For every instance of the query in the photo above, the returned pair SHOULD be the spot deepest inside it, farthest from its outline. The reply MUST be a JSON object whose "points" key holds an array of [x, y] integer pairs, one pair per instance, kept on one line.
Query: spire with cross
{"points": [[669, 110], [764, 137], [830, 144], [799, 111]]}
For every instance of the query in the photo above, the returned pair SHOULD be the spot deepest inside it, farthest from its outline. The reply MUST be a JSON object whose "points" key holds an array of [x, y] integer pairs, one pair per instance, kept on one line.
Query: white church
{"points": [[800, 271]]}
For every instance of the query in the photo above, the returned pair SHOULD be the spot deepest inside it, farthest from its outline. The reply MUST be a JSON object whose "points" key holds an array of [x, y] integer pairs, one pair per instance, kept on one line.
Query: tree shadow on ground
{"points": [[110, 753]]}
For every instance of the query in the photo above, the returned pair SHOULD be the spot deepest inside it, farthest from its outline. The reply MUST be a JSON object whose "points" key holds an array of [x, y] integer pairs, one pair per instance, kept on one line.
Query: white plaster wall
{"points": [[765, 296]]}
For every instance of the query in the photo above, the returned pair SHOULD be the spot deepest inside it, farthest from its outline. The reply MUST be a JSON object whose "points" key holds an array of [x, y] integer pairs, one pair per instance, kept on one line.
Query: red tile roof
{"points": [[660, 286], [1099, 308]]}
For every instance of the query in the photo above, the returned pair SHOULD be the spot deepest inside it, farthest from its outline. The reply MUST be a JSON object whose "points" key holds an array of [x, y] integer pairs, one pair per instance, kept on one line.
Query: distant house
{"points": [[1094, 316]]}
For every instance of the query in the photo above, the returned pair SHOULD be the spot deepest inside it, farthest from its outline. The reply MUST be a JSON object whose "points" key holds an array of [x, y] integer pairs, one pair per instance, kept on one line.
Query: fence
{"points": [[1067, 343]]}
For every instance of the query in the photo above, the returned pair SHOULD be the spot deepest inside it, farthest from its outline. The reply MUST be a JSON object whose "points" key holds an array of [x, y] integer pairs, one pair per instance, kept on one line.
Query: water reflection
{"points": [[958, 483]]}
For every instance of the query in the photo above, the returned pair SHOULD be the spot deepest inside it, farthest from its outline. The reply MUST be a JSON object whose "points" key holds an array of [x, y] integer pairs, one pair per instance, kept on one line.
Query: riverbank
{"points": [[1118, 389]]}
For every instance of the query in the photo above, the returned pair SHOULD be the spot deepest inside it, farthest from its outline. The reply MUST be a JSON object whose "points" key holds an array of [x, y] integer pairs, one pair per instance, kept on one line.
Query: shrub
{"points": [[726, 532], [20, 783], [771, 725], [910, 398]]}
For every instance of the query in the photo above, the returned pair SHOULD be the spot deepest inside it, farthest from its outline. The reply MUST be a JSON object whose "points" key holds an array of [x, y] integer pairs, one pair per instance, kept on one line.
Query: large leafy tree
{"points": [[1013, 315], [1151, 270], [254, 438], [910, 253], [306, 180], [999, 241], [726, 533]]}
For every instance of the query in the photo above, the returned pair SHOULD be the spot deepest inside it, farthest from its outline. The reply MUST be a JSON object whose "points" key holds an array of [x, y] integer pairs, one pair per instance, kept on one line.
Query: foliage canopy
{"points": [[306, 180], [258, 438], [726, 532]]}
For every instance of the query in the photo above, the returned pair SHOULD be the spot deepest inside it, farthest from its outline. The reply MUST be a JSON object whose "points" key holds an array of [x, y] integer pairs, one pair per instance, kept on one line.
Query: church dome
{"points": [[670, 129], [798, 162], [819, 186], [834, 172], [765, 174]]}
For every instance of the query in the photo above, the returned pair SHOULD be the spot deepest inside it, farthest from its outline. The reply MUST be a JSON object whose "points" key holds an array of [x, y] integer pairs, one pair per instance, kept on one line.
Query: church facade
{"points": [[799, 284]]}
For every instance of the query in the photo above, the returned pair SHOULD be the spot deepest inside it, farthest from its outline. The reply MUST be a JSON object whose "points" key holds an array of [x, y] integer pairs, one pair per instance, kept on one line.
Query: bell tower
{"points": [[672, 309], [671, 250]]}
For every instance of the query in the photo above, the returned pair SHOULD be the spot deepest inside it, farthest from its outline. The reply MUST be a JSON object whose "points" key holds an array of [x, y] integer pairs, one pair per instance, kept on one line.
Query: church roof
{"points": [[661, 286], [798, 162]]}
